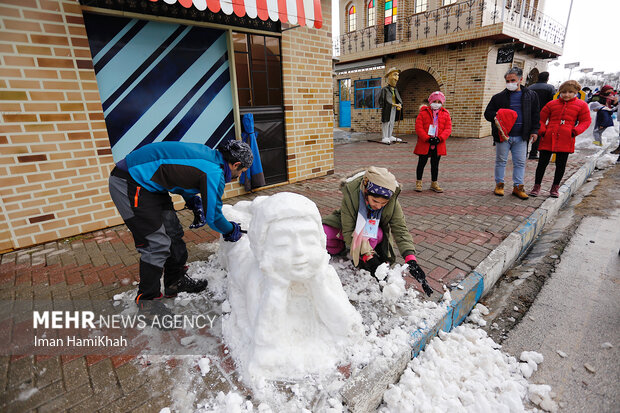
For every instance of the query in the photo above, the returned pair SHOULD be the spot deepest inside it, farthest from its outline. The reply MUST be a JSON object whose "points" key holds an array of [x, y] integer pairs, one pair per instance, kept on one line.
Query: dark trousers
{"points": [[156, 230], [432, 153], [560, 166]]}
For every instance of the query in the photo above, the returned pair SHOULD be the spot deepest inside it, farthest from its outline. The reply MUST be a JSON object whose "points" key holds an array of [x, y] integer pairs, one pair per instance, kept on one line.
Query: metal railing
{"points": [[457, 17]]}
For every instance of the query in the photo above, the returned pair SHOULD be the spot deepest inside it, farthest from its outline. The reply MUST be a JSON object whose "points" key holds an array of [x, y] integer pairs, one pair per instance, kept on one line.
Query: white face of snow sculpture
{"points": [[294, 251]]}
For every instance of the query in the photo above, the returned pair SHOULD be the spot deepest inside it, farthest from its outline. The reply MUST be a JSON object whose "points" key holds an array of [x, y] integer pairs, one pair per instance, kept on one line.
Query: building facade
{"points": [[462, 48], [83, 83]]}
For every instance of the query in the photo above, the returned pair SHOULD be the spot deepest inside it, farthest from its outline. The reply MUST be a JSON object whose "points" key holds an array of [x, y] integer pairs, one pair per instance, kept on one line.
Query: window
{"points": [[390, 11], [367, 93], [352, 19], [259, 69], [420, 6], [372, 15], [448, 2]]}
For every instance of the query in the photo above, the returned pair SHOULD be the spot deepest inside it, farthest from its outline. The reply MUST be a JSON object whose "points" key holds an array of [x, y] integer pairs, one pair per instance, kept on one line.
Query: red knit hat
{"points": [[505, 120], [606, 88]]}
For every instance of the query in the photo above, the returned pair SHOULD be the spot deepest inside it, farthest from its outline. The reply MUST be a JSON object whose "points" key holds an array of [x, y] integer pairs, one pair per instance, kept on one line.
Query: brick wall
{"points": [[467, 75], [308, 99], [55, 155]]}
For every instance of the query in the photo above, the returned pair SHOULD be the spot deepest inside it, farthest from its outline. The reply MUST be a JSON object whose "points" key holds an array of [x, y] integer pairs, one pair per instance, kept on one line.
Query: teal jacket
{"points": [[392, 222]]}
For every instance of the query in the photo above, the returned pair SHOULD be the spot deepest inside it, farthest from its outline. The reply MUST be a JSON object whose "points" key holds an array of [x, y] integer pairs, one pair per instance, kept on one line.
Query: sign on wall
{"points": [[160, 82], [505, 55]]}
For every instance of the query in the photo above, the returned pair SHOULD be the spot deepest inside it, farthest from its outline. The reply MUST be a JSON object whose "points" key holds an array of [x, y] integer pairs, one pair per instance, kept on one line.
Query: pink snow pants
{"points": [[335, 242]]}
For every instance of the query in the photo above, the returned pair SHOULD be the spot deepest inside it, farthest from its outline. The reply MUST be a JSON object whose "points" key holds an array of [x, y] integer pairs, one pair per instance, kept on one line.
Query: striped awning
{"points": [[302, 12]]}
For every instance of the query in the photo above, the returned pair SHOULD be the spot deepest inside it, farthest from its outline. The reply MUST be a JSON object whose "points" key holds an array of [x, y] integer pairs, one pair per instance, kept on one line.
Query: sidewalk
{"points": [[453, 232]]}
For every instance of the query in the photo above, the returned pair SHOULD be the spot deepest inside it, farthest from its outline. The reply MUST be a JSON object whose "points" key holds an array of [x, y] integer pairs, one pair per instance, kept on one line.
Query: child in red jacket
{"points": [[561, 120], [433, 126]]}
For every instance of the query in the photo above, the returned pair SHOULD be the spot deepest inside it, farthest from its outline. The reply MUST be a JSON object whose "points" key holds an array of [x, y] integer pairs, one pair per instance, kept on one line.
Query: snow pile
{"points": [[289, 316], [606, 161], [475, 316], [465, 371], [395, 286]]}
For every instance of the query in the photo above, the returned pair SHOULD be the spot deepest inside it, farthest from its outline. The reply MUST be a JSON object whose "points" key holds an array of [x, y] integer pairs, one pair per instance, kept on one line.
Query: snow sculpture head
{"points": [[287, 237]]}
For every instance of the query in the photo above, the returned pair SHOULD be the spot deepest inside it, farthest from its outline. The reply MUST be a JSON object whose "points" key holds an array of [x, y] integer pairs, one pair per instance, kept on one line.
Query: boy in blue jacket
{"points": [[140, 185]]}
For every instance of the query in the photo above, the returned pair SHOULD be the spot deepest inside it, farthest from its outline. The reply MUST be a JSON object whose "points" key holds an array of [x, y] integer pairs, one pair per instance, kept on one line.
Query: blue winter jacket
{"points": [[185, 169]]}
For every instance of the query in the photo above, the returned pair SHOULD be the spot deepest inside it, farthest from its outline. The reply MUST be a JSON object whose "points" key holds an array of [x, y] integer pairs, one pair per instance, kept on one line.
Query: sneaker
{"points": [[598, 143], [555, 191], [387, 141], [535, 190], [395, 139], [185, 284], [499, 189], [519, 192]]}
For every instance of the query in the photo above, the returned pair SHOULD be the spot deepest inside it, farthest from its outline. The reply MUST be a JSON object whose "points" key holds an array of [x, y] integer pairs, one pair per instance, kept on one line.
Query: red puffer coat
{"points": [[558, 124], [423, 121]]}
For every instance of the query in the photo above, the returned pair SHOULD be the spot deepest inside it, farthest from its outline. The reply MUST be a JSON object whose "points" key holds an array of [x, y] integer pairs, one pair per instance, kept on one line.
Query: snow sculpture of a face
{"points": [[290, 315], [286, 236]]}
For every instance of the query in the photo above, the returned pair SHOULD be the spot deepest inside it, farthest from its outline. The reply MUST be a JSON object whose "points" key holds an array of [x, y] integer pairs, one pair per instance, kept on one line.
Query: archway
{"points": [[414, 86]]}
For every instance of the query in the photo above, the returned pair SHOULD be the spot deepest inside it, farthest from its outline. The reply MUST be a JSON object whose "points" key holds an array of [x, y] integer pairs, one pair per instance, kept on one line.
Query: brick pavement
{"points": [[453, 232]]}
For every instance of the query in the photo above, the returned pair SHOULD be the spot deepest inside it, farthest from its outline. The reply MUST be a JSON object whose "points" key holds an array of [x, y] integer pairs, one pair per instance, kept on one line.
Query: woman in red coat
{"points": [[433, 126], [561, 120]]}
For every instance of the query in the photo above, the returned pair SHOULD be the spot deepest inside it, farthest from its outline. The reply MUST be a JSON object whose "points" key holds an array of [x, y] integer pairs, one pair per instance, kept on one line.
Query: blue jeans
{"points": [[518, 147]]}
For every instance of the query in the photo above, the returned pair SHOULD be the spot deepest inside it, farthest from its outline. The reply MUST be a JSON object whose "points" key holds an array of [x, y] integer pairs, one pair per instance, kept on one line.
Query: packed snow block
{"points": [[363, 392]]}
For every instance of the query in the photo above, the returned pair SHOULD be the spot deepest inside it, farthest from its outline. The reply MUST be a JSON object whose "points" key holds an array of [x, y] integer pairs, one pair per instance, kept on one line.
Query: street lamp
{"points": [[571, 66]]}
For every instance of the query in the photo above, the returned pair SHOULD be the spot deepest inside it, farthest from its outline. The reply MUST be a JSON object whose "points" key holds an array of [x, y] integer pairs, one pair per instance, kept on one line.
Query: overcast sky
{"points": [[589, 41]]}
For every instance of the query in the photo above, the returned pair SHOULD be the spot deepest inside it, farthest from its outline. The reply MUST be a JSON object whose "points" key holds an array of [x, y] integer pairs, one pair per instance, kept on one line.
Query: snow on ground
{"points": [[460, 371]]}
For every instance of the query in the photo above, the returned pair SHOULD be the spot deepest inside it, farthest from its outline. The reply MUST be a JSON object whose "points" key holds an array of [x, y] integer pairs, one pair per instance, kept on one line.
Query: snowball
{"points": [[204, 363]]}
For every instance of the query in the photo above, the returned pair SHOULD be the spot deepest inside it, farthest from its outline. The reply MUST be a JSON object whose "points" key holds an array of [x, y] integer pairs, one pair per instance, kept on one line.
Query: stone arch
{"points": [[414, 86], [532, 77]]}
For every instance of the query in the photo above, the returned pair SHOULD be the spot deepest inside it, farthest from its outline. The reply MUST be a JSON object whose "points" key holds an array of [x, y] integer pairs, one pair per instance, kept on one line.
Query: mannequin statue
{"points": [[391, 103]]}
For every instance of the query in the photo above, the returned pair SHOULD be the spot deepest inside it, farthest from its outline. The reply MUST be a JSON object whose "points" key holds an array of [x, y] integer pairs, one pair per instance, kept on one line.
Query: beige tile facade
{"points": [[55, 156]]}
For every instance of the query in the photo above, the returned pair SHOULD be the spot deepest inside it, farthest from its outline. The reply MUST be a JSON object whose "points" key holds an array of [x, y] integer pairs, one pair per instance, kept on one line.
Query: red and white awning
{"points": [[302, 12]]}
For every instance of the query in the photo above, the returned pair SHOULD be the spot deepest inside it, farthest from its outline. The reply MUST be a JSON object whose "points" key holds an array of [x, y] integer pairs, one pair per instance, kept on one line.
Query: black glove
{"points": [[418, 274], [235, 234], [371, 264], [433, 140], [195, 204]]}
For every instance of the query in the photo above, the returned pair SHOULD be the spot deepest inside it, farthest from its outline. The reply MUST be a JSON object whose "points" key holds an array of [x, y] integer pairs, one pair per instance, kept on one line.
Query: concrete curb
{"points": [[364, 391]]}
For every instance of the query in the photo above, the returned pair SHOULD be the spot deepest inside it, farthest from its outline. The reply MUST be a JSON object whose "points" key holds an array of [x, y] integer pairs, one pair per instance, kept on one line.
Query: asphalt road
{"points": [[577, 313]]}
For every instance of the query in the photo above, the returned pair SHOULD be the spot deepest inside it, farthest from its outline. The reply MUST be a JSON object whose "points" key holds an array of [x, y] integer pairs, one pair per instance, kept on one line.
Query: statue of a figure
{"points": [[289, 313], [390, 103]]}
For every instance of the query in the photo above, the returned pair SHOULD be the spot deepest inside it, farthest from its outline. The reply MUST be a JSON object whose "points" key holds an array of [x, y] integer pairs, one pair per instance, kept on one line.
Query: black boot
{"points": [[149, 287], [185, 284]]}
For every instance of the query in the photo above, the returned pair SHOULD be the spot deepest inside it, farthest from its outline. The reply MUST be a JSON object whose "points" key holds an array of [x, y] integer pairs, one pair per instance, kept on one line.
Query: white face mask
{"points": [[435, 106], [512, 86]]}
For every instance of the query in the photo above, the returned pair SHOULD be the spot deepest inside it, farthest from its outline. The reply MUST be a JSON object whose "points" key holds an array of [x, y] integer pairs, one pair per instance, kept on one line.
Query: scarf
{"points": [[360, 244]]}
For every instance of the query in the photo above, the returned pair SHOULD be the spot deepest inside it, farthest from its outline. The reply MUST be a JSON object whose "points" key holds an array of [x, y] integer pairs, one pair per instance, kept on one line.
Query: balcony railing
{"points": [[457, 17]]}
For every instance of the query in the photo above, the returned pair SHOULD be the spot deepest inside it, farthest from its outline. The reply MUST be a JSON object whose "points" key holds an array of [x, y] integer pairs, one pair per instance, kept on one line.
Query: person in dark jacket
{"points": [[604, 103], [139, 187], [391, 105], [545, 93], [525, 103], [560, 122]]}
